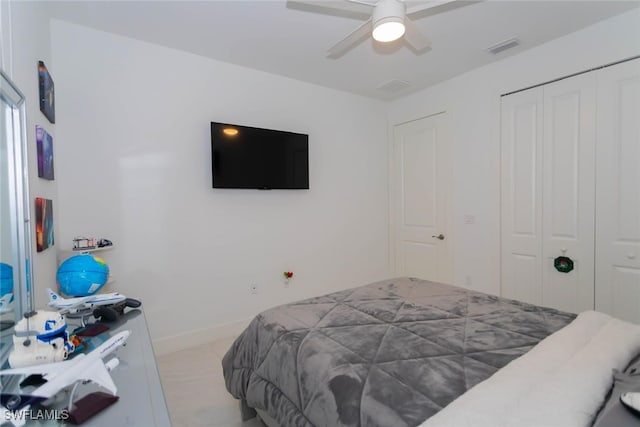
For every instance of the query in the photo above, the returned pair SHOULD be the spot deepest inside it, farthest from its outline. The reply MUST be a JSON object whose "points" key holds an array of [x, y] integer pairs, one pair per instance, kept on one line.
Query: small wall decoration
{"points": [[563, 264], [45, 153], [44, 224], [47, 96], [288, 275]]}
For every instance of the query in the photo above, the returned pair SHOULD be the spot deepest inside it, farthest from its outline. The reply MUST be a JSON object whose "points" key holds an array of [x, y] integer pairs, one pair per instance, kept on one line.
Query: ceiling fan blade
{"points": [[371, 3], [357, 36], [437, 6], [427, 5], [343, 8], [414, 37]]}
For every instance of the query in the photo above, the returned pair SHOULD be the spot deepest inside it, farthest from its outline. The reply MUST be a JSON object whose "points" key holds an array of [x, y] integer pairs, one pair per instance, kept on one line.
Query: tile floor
{"points": [[194, 388]]}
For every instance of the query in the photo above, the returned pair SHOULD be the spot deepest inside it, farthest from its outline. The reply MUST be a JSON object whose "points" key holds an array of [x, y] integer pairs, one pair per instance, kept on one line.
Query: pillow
{"points": [[614, 413]]}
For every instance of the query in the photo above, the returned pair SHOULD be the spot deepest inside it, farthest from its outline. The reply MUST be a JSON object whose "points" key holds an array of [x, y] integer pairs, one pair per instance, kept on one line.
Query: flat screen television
{"points": [[265, 159]]}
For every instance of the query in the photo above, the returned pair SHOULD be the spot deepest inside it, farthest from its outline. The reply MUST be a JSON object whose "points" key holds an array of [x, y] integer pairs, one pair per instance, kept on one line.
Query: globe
{"points": [[82, 275]]}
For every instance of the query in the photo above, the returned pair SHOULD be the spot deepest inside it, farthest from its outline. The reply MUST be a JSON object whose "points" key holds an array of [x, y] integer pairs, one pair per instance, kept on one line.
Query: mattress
{"points": [[392, 353]]}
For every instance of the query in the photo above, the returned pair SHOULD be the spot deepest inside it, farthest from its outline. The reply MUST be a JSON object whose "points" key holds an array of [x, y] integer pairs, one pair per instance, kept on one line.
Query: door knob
{"points": [[439, 236]]}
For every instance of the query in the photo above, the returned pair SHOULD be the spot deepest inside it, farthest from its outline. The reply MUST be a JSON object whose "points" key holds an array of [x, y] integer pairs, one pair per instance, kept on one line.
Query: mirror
{"points": [[15, 225]]}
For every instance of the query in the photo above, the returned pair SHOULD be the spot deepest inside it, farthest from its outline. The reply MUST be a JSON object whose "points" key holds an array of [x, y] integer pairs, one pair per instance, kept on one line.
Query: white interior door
{"points": [[618, 192], [568, 204], [421, 198], [521, 237]]}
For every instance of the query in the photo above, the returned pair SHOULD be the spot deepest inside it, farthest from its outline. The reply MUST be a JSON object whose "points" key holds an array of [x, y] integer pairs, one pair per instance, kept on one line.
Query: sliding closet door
{"points": [[522, 195], [618, 192], [548, 143], [568, 202]]}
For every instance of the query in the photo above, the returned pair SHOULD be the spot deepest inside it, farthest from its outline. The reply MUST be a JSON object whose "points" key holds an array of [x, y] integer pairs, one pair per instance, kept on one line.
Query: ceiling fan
{"points": [[388, 20]]}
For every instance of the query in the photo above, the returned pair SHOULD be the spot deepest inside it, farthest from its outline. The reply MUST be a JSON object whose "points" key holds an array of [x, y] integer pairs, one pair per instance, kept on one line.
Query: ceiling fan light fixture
{"points": [[388, 20], [389, 29]]}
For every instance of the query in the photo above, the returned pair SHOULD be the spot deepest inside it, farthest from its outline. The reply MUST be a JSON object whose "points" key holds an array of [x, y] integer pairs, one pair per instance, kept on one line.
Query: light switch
{"points": [[469, 219]]}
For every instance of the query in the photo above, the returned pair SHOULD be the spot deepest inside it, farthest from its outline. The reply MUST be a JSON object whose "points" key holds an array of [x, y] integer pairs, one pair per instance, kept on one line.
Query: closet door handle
{"points": [[439, 236]]}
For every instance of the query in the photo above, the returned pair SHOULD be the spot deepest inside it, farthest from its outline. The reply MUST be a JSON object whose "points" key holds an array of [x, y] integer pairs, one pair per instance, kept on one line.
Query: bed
{"points": [[392, 353]]}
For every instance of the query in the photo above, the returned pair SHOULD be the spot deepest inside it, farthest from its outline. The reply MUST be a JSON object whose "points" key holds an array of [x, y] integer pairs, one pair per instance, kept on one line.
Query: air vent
{"points": [[394, 85], [503, 45]]}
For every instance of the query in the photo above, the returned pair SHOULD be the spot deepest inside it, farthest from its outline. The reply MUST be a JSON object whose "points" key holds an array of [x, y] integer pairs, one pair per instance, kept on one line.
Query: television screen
{"points": [[248, 157]]}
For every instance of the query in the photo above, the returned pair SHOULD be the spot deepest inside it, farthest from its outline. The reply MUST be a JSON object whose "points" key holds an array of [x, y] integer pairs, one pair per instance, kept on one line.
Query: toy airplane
{"points": [[82, 368], [72, 305], [5, 303]]}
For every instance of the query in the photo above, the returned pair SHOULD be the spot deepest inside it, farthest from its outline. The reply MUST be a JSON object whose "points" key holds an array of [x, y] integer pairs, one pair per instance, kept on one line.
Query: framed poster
{"points": [[44, 223], [47, 95], [45, 153]]}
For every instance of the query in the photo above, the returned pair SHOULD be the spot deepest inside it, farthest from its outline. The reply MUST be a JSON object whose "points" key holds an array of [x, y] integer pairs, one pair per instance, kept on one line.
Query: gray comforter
{"points": [[391, 353]]}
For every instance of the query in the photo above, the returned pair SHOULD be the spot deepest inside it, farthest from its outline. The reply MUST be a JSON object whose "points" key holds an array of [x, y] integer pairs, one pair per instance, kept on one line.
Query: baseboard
{"points": [[166, 345]]}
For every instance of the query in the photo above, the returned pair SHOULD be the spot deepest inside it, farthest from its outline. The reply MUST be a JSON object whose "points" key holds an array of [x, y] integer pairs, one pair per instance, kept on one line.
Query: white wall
{"points": [[133, 165], [473, 103], [25, 41]]}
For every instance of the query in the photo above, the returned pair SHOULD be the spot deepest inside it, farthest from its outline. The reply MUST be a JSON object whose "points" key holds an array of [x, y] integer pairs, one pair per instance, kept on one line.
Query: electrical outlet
{"points": [[467, 281], [253, 288], [469, 219]]}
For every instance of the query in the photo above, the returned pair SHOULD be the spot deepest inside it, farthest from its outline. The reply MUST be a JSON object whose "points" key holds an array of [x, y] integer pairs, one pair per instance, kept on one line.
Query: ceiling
{"points": [[283, 39]]}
